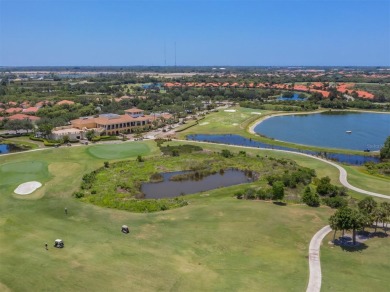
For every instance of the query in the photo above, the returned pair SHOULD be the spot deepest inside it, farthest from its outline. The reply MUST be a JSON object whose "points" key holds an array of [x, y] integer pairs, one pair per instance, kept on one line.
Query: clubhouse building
{"points": [[133, 120]]}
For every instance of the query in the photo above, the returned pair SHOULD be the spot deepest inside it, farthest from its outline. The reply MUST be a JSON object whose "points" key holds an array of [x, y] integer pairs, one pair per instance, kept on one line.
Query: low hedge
{"points": [[46, 142], [104, 138], [6, 135]]}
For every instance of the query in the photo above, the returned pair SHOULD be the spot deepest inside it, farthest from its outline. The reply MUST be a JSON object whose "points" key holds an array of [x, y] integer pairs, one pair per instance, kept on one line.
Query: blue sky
{"points": [[219, 32]]}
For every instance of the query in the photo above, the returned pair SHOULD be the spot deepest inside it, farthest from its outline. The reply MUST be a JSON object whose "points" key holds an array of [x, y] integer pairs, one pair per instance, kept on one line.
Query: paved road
{"points": [[314, 260]]}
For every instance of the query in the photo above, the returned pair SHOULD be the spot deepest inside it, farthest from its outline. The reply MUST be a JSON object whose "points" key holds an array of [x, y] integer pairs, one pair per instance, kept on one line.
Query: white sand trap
{"points": [[235, 124], [230, 111], [255, 113], [204, 123], [27, 188]]}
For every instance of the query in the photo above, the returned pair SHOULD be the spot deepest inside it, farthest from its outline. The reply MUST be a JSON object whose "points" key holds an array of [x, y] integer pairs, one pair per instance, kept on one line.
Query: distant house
{"points": [[65, 101], [41, 103], [23, 117], [13, 110], [30, 110]]}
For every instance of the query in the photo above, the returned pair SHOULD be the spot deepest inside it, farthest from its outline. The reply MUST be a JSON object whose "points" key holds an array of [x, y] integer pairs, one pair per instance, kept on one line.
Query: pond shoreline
{"points": [[251, 130]]}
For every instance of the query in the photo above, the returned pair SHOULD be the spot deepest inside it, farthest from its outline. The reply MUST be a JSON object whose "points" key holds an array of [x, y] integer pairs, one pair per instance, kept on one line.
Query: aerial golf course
{"points": [[215, 243]]}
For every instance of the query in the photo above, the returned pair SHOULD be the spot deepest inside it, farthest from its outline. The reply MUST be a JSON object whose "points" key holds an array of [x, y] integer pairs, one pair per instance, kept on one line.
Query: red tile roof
{"points": [[13, 110], [23, 117], [32, 110], [65, 101]]}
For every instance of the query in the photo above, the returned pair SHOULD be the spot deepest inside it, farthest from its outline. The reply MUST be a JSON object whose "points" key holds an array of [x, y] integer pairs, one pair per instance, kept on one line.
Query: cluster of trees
{"points": [[385, 150], [18, 125], [368, 213]]}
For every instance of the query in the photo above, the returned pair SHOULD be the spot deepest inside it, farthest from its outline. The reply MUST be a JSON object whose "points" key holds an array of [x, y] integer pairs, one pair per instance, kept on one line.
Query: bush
{"points": [[264, 194], [78, 195], [336, 202], [239, 195], [278, 191], [226, 153], [310, 198]]}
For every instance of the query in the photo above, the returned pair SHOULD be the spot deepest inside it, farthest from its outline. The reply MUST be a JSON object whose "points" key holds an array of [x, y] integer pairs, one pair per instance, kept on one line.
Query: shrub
{"points": [[239, 195], [310, 198], [264, 194], [278, 191], [140, 159], [78, 195], [106, 164], [226, 153], [336, 202]]}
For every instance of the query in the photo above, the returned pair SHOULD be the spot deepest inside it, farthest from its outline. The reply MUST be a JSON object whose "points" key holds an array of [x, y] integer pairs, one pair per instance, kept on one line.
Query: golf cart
{"points": [[125, 229], [58, 243]]}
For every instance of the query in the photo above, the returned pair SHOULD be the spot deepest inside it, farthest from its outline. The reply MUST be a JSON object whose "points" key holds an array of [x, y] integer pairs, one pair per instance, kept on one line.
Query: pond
{"points": [[231, 139], [7, 148], [295, 97], [168, 188], [343, 130]]}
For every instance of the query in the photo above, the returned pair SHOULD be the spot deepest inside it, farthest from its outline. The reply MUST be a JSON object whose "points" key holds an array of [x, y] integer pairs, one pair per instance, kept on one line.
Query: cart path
{"points": [[314, 260], [342, 177]]}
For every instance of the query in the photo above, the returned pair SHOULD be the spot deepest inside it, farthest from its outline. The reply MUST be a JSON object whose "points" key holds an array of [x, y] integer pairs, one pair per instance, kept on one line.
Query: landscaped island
{"points": [[119, 185]]}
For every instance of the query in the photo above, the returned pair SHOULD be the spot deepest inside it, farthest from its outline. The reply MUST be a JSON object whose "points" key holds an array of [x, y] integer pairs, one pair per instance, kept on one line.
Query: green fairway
{"points": [[216, 243], [226, 122], [118, 151], [23, 171], [364, 270]]}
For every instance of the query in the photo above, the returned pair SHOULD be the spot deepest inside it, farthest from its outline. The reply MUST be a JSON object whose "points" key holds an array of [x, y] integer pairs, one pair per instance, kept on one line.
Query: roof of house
{"points": [[23, 117], [133, 110], [12, 110], [32, 109], [65, 101]]}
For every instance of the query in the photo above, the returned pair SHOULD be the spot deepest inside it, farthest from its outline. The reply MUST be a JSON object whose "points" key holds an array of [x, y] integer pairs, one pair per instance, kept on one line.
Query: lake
{"points": [[238, 140], [168, 188], [367, 130]]}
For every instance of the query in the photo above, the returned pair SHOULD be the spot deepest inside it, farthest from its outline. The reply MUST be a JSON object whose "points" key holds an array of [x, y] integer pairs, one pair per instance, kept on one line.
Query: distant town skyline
{"points": [[202, 33]]}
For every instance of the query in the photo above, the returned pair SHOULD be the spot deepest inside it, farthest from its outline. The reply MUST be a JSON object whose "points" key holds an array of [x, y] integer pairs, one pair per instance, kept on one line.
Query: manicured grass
{"points": [[216, 243], [361, 270], [226, 122], [119, 151], [23, 171], [380, 184]]}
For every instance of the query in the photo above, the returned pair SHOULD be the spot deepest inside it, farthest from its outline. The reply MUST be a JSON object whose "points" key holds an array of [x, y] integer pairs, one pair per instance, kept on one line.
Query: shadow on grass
{"points": [[280, 203], [359, 246]]}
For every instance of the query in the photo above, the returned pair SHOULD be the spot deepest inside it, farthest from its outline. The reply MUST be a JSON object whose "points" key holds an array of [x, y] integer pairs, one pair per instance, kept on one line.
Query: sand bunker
{"points": [[255, 113], [27, 188], [204, 123], [230, 111], [235, 124]]}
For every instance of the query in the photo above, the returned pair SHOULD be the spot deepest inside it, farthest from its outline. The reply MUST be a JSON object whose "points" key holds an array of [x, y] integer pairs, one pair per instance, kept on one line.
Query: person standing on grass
{"points": [[46, 246], [66, 211]]}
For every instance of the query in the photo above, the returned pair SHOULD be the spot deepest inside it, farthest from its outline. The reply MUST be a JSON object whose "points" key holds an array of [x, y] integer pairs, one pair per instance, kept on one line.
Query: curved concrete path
{"points": [[314, 260], [343, 172]]}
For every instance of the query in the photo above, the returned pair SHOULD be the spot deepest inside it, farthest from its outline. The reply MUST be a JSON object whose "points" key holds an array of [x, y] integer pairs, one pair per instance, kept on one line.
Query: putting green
{"points": [[119, 151], [23, 171]]}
